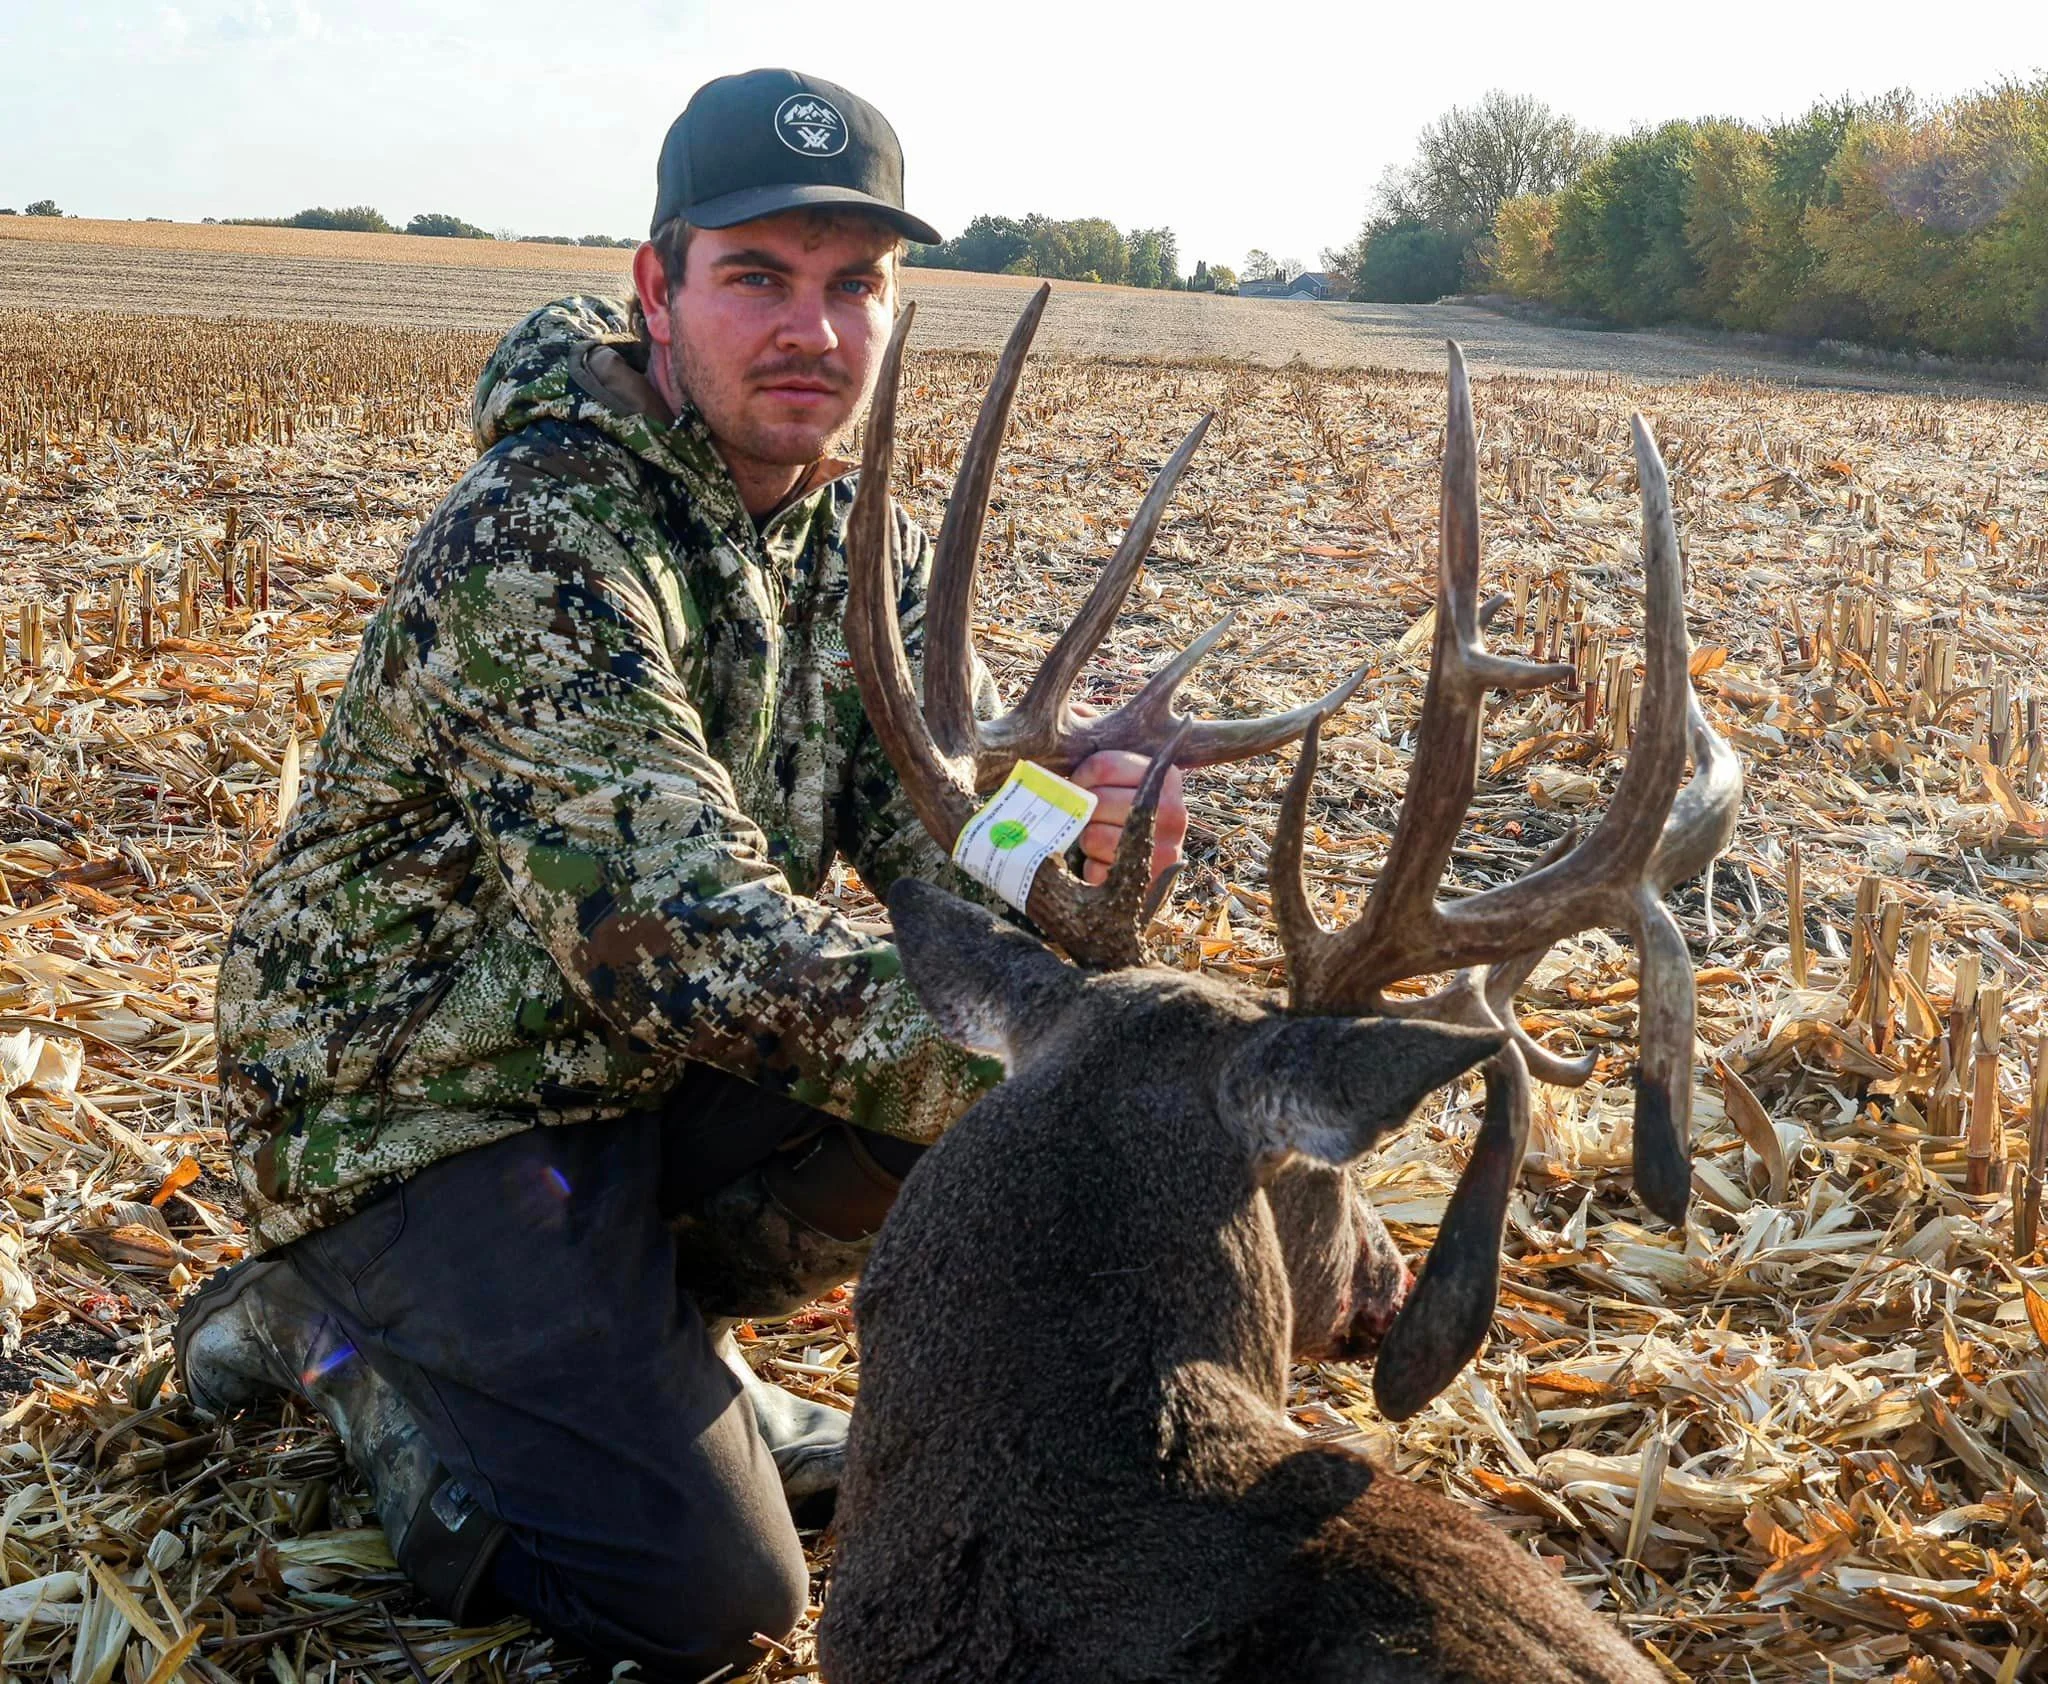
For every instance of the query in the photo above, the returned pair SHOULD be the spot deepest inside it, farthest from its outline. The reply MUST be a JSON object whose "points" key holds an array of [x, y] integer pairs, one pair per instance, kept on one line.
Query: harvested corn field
{"points": [[1805, 1438], [395, 280]]}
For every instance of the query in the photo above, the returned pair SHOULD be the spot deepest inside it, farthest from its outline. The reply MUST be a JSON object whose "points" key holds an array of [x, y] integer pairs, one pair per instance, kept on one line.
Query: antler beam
{"points": [[945, 756], [1654, 835]]}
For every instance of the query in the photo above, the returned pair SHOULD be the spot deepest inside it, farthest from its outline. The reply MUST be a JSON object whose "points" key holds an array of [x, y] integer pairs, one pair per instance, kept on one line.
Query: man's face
{"points": [[776, 332]]}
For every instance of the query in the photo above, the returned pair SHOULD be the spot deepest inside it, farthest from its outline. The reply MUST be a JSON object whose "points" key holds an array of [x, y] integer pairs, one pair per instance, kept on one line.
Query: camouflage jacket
{"points": [[599, 745]]}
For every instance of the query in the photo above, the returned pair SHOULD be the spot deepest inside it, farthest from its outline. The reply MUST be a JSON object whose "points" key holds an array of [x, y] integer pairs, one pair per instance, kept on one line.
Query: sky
{"points": [[1264, 123]]}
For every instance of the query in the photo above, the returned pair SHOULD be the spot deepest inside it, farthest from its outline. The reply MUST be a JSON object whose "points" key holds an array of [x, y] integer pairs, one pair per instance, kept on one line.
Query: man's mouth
{"points": [[800, 388]]}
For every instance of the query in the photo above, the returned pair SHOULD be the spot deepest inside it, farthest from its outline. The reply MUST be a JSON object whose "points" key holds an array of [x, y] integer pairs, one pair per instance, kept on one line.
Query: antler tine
{"points": [[1212, 742], [1154, 702], [1634, 821], [1445, 1320], [1665, 1020], [1404, 931], [1098, 926], [1042, 727], [1594, 883], [936, 784], [1104, 927], [1501, 984], [1113, 918], [1303, 937], [1149, 716], [1329, 969], [1702, 820], [1039, 726], [956, 557]]}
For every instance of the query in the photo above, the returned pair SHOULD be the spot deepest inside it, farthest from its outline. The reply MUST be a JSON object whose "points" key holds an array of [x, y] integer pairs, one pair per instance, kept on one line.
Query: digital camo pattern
{"points": [[600, 743]]}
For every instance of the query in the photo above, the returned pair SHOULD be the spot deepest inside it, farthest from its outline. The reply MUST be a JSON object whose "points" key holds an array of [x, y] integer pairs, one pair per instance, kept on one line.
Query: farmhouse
{"points": [[1312, 283]]}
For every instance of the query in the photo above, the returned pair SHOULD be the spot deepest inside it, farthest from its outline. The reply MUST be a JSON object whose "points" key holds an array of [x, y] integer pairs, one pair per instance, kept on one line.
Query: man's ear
{"points": [[1328, 1087], [650, 284], [987, 984]]}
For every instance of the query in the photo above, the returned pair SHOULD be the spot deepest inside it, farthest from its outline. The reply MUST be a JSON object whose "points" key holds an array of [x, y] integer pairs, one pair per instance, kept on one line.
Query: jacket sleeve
{"points": [[546, 694]]}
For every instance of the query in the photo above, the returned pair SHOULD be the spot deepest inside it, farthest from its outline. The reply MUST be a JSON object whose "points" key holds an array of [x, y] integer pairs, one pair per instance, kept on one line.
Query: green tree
{"points": [[1783, 291], [350, 219], [1099, 250], [1410, 263], [1910, 226], [1930, 228], [1467, 164], [989, 245], [1621, 247], [43, 207], [1154, 257], [1729, 174], [440, 225]]}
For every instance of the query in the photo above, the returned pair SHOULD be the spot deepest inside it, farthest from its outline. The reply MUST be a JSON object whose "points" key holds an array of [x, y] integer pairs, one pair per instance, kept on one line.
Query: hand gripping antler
{"points": [[1653, 835], [942, 753]]}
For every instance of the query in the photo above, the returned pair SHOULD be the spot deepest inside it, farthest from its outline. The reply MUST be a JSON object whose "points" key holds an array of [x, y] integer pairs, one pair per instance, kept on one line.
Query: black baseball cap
{"points": [[771, 140]]}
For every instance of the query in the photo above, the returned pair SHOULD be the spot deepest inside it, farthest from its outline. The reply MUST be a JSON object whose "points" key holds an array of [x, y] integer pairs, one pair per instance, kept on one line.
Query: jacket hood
{"points": [[577, 360]]}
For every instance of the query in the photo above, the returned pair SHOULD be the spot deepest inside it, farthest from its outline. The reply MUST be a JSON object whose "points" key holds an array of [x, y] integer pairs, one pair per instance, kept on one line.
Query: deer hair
{"points": [[1660, 828]]}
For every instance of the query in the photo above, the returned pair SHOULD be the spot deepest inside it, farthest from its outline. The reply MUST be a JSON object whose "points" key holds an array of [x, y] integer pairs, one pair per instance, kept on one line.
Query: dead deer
{"points": [[1069, 1460]]}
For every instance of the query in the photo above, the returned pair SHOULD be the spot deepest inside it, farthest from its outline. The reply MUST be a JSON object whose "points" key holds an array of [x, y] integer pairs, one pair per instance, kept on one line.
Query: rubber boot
{"points": [[806, 1438], [259, 1329], [768, 1243]]}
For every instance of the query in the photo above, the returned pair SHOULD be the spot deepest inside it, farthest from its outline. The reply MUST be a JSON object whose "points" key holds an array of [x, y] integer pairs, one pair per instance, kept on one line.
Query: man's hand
{"points": [[1114, 776]]}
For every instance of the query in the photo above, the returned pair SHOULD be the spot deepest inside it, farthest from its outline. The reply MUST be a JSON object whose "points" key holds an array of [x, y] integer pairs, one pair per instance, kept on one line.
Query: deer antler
{"points": [[942, 753], [1653, 835]]}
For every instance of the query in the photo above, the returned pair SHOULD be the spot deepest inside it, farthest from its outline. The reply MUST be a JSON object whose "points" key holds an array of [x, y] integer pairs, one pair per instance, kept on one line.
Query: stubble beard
{"points": [[725, 413]]}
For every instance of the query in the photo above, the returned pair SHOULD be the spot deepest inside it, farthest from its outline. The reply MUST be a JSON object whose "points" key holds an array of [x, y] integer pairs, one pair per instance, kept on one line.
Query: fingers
{"points": [[1114, 776], [1111, 767]]}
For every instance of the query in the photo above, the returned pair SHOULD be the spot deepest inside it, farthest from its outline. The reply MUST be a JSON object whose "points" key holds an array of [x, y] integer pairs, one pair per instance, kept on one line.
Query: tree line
{"points": [[367, 219], [1089, 248], [1885, 221]]}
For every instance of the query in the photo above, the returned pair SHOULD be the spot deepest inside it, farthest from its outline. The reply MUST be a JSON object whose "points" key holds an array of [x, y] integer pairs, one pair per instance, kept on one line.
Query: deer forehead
{"points": [[1180, 998]]}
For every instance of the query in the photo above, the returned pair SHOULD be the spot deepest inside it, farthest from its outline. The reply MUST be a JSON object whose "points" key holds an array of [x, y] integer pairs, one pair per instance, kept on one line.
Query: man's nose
{"points": [[806, 326]]}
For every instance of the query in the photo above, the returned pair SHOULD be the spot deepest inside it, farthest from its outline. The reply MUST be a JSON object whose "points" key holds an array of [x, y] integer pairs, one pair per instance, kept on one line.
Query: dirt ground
{"points": [[288, 274], [1804, 1438]]}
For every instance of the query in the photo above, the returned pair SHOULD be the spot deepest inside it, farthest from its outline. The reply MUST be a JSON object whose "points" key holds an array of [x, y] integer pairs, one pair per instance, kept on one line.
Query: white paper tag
{"points": [[1035, 815]]}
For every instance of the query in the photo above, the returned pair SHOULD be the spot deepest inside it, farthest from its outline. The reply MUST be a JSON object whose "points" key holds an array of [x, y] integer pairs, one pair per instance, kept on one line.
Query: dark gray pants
{"points": [[528, 1301]]}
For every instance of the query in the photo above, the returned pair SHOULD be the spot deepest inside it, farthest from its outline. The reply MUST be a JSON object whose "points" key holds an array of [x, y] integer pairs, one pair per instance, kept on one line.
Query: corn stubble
{"points": [[1807, 1436]]}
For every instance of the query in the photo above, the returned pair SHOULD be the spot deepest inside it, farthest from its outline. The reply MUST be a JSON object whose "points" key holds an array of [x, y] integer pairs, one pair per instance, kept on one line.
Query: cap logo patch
{"points": [[807, 124]]}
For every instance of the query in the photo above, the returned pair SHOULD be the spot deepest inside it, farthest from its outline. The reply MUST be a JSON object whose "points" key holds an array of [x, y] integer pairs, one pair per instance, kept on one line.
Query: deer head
{"points": [[1302, 1091]]}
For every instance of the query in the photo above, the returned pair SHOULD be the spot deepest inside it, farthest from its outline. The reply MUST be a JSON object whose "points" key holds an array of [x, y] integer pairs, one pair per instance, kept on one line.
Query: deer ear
{"points": [[1328, 1087], [987, 984]]}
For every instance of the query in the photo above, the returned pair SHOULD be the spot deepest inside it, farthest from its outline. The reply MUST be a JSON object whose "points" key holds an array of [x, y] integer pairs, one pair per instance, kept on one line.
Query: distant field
{"points": [[294, 274]]}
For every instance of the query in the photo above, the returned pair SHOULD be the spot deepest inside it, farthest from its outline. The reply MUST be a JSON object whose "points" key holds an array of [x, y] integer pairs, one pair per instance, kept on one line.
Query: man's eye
{"points": [[861, 284], [757, 278]]}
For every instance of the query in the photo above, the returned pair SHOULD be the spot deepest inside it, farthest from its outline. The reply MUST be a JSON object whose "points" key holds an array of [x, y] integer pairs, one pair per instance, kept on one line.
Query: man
{"points": [[540, 1064]]}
